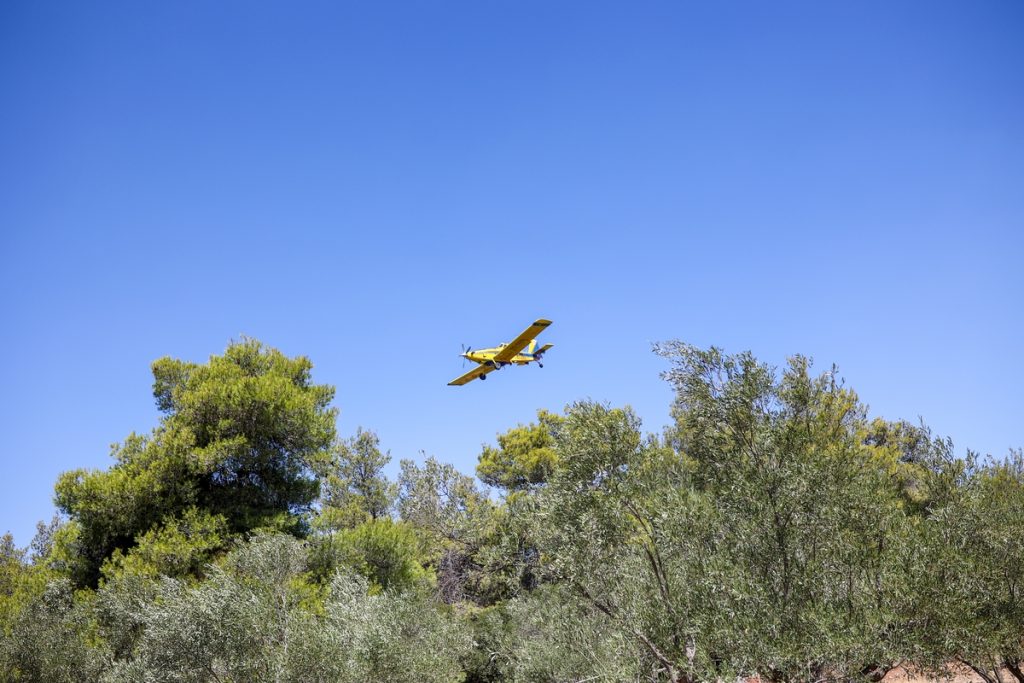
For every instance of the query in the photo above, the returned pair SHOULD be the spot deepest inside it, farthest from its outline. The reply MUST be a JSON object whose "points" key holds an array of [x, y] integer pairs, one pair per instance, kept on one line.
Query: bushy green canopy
{"points": [[525, 456], [239, 439]]}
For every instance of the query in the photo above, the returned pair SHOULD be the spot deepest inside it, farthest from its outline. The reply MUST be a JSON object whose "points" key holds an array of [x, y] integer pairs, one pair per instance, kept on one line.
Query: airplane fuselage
{"points": [[486, 357]]}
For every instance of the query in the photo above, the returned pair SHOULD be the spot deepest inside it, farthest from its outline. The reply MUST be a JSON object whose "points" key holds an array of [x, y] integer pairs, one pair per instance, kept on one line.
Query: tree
{"points": [[36, 608], [620, 527], [386, 553], [813, 519], [763, 538], [523, 462], [453, 518], [525, 456], [911, 453], [355, 488], [51, 640], [257, 618], [240, 438], [549, 635], [12, 578], [972, 544], [1000, 558], [179, 548]]}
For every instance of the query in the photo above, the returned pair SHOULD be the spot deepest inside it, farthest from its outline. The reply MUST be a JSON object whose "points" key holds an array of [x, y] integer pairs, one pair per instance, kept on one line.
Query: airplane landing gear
{"points": [[483, 377]]}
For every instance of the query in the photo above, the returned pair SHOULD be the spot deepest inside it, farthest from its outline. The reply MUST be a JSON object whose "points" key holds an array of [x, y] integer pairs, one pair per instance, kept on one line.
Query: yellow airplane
{"points": [[512, 353]]}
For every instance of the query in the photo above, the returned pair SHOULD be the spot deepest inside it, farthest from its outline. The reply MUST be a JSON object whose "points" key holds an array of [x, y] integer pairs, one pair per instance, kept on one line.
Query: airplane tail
{"points": [[531, 347], [541, 350]]}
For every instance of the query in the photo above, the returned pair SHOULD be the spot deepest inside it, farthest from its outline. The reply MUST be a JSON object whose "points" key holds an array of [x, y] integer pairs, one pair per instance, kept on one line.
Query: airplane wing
{"points": [[519, 343], [478, 371]]}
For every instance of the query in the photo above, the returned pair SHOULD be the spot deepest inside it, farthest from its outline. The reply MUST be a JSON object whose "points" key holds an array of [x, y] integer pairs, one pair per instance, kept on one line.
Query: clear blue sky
{"points": [[374, 184]]}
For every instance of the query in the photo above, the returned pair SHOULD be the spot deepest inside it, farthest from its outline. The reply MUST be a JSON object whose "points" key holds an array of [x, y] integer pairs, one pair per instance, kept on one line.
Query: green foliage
{"points": [[525, 456], [454, 520], [767, 540], [811, 523], [506, 556], [911, 455], [400, 637], [549, 635], [610, 531], [355, 490], [240, 439], [972, 540], [505, 560], [441, 501], [179, 548], [259, 426], [25, 577], [120, 609], [16, 589], [12, 571], [256, 618], [52, 640], [996, 587], [387, 553]]}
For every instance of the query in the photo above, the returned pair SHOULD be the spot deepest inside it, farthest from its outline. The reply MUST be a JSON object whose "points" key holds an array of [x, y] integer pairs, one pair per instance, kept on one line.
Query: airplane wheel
{"points": [[483, 377], [540, 365]]}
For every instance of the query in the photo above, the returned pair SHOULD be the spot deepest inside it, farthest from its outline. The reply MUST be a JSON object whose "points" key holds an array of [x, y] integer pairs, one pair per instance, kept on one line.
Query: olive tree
{"points": [[812, 519], [256, 618], [764, 537], [969, 599]]}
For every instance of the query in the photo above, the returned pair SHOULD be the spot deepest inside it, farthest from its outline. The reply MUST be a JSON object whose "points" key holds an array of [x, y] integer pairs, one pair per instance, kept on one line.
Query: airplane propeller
{"points": [[465, 350]]}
